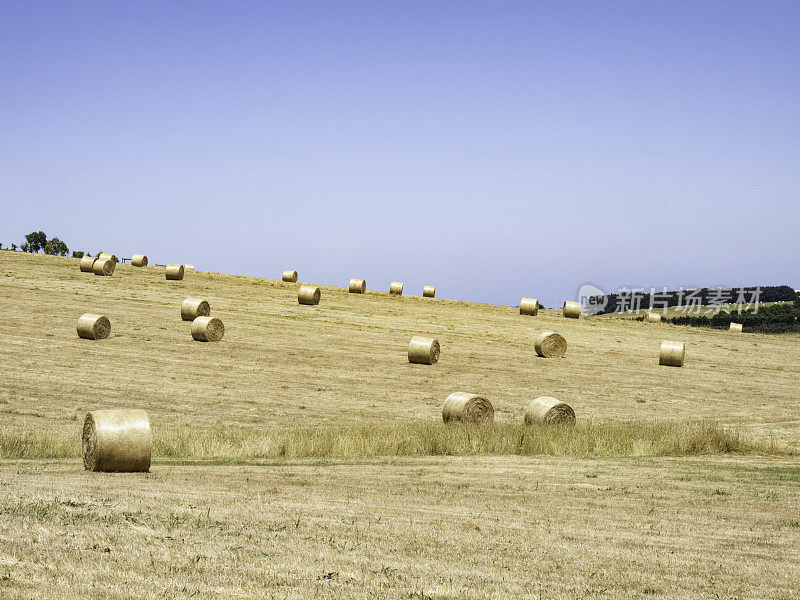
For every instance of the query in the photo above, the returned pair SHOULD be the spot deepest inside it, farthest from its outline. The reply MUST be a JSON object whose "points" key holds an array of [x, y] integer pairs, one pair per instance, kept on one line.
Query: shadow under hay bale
{"points": [[571, 309], [309, 294], [289, 276], [117, 441], [93, 327], [396, 287], [357, 286], [423, 350], [139, 260], [548, 411], [191, 308], [207, 329], [87, 262], [467, 408], [103, 267], [529, 306], [672, 354], [174, 272], [550, 344]]}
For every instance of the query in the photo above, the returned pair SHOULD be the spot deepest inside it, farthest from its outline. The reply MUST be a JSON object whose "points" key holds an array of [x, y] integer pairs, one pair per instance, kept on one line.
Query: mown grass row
{"points": [[585, 440]]}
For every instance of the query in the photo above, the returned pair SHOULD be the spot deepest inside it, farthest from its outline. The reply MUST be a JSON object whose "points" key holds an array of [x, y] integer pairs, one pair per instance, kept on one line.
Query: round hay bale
{"points": [[289, 276], [652, 317], [672, 354], [548, 411], [467, 408], [550, 344], [189, 267], [191, 308], [87, 262], [139, 260], [174, 272], [423, 350], [308, 294], [357, 286], [103, 267], [107, 256], [529, 306], [117, 441], [93, 327], [572, 310], [207, 329], [736, 327], [396, 287], [428, 291]]}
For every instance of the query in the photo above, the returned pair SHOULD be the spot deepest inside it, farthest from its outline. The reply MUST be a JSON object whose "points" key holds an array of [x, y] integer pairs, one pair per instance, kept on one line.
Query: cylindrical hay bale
{"points": [[672, 354], [652, 317], [174, 272], [572, 310], [548, 411], [308, 294], [428, 291], [104, 267], [87, 262], [550, 345], [108, 256], [737, 327], [396, 287], [289, 276], [357, 286], [139, 260], [529, 306], [117, 441], [467, 408], [189, 267], [207, 329], [423, 350], [93, 327], [191, 308]]}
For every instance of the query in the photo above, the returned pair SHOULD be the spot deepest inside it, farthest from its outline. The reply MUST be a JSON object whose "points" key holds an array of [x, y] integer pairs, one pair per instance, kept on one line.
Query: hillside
{"points": [[344, 362]]}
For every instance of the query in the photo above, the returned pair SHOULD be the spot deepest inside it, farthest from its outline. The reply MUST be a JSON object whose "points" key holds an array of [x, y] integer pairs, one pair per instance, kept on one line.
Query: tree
{"points": [[56, 246], [77, 254], [26, 248], [14, 247], [36, 241]]}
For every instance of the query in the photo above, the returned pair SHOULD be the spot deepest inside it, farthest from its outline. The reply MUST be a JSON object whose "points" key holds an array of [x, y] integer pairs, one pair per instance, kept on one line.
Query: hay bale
{"points": [[107, 256], [87, 262], [672, 354], [289, 276], [423, 350], [308, 294], [357, 286], [117, 441], [736, 327], [93, 327], [139, 260], [396, 287], [428, 291], [207, 329], [191, 308], [572, 310], [529, 306], [548, 411], [103, 267], [550, 344], [189, 267], [174, 272], [652, 317], [467, 408]]}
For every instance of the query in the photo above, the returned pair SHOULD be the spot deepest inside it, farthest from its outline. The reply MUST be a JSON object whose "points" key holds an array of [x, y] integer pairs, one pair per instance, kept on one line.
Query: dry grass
{"points": [[339, 484]]}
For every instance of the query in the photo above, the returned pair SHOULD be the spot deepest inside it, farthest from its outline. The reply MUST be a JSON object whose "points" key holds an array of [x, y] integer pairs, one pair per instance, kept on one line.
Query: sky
{"points": [[493, 149]]}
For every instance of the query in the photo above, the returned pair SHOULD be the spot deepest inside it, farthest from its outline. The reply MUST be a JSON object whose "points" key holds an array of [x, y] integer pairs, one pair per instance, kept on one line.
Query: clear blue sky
{"points": [[497, 150]]}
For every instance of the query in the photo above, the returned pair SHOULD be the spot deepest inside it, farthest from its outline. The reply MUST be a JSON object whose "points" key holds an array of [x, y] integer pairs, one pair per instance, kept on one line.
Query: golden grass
{"points": [[600, 439]]}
